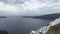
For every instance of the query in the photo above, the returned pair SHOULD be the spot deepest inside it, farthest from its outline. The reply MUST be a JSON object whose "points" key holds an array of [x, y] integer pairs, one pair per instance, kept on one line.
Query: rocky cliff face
{"points": [[3, 32], [54, 29]]}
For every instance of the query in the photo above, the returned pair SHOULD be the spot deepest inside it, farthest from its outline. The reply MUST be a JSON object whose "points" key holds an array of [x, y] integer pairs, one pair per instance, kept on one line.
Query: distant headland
{"points": [[46, 17], [3, 17]]}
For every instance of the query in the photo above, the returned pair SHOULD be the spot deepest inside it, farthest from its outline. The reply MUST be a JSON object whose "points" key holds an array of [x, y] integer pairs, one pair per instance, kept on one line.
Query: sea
{"points": [[19, 25]]}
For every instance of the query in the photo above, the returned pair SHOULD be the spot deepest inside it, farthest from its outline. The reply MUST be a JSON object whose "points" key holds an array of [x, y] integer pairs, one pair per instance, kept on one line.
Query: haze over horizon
{"points": [[29, 7]]}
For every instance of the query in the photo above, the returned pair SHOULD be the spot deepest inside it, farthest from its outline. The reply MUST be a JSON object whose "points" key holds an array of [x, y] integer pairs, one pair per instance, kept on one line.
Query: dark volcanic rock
{"points": [[3, 32]]}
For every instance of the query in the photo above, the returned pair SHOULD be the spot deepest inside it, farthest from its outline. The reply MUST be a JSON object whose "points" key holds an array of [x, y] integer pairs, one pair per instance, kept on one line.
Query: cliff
{"points": [[54, 29], [3, 32]]}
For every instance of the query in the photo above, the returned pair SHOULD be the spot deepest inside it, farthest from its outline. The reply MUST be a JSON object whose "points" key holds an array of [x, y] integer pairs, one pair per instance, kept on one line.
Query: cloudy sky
{"points": [[29, 7]]}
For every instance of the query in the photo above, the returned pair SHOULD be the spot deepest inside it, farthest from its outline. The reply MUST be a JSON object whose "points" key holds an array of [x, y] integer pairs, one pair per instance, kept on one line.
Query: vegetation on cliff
{"points": [[54, 29]]}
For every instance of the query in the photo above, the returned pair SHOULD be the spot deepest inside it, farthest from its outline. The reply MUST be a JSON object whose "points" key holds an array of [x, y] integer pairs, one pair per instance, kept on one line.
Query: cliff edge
{"points": [[54, 29]]}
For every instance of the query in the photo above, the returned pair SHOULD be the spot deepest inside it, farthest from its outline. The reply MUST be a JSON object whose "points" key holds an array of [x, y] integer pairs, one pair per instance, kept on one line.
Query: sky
{"points": [[29, 7]]}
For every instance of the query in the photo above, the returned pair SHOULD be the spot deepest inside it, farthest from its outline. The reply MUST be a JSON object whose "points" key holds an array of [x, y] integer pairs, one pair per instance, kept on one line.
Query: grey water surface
{"points": [[18, 25]]}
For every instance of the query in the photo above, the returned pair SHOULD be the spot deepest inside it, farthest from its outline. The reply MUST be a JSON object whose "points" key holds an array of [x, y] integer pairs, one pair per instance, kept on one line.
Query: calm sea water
{"points": [[18, 25]]}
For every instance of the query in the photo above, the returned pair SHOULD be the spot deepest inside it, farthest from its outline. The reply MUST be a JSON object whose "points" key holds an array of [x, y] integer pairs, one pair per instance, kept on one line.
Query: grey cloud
{"points": [[22, 1], [51, 1], [13, 1], [29, 8]]}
